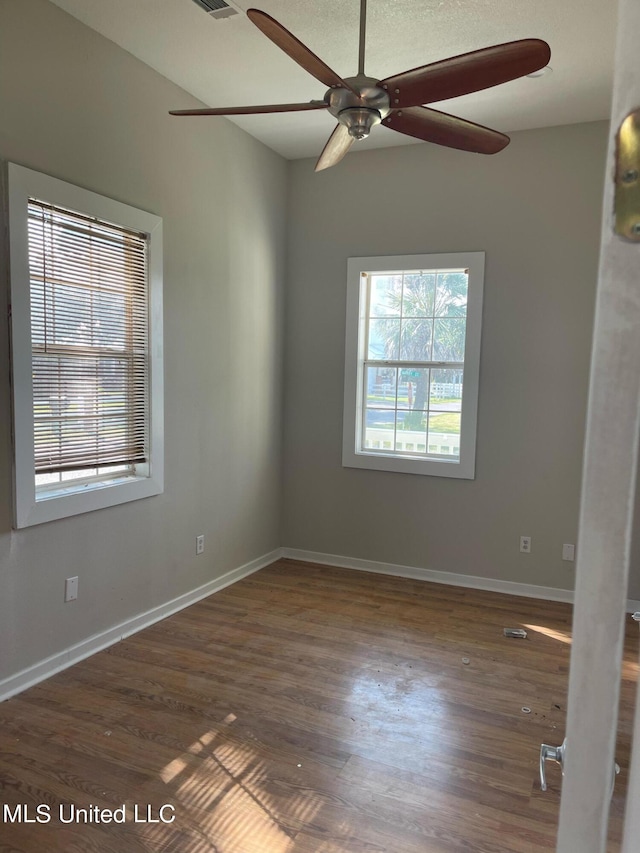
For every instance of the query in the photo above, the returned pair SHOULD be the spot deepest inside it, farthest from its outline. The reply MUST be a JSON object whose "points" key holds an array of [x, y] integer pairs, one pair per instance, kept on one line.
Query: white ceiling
{"points": [[231, 63]]}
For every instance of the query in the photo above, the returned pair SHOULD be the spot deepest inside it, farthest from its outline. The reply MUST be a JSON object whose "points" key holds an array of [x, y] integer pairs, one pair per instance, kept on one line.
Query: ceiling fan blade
{"points": [[261, 108], [294, 48], [337, 146], [443, 129], [469, 72]]}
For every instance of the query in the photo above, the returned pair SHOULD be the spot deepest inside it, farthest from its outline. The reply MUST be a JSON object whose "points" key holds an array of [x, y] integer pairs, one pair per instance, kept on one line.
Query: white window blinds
{"points": [[89, 327]]}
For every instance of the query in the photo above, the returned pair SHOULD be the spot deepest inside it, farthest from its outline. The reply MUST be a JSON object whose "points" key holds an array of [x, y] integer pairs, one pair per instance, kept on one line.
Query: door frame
{"points": [[607, 507]]}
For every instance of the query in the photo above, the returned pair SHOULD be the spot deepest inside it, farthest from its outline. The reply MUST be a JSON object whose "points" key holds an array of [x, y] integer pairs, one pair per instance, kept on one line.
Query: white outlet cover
{"points": [[71, 589], [525, 544]]}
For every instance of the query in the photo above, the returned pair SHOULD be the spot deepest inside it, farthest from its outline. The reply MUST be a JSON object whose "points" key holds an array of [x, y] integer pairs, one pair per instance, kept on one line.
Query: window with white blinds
{"points": [[86, 299], [89, 337]]}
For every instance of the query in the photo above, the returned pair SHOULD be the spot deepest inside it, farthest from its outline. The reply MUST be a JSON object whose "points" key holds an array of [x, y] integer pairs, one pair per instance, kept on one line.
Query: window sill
{"points": [[65, 502], [408, 465], [72, 487]]}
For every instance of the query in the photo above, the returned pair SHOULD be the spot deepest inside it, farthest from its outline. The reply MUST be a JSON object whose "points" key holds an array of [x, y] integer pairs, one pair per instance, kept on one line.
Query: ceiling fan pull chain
{"points": [[363, 24]]}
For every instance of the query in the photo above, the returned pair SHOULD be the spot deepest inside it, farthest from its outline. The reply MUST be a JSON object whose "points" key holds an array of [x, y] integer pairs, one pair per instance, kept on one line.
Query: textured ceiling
{"points": [[230, 62]]}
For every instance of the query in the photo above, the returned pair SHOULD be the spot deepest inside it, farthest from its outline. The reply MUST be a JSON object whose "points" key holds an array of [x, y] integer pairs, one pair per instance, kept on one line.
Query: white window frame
{"points": [[353, 454], [72, 498]]}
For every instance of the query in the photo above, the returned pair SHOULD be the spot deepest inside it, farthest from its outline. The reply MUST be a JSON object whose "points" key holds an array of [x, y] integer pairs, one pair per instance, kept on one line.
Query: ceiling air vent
{"points": [[216, 8]]}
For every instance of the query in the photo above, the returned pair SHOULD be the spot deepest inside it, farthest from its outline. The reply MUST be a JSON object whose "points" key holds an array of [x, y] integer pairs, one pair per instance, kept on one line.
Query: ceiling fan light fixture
{"points": [[541, 72], [359, 120]]}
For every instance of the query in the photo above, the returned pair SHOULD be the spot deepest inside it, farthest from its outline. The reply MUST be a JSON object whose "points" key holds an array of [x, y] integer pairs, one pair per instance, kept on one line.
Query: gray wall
{"points": [[535, 210], [76, 106]]}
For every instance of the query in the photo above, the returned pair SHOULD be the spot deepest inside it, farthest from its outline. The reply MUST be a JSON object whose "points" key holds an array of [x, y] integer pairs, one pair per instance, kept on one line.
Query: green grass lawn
{"points": [[372, 399], [443, 422]]}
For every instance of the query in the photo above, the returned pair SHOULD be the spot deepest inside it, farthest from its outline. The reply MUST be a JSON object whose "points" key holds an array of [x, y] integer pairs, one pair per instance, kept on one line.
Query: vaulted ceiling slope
{"points": [[225, 62]]}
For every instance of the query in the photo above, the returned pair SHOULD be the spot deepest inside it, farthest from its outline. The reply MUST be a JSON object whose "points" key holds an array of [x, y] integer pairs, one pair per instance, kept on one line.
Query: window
{"points": [[412, 363], [86, 299]]}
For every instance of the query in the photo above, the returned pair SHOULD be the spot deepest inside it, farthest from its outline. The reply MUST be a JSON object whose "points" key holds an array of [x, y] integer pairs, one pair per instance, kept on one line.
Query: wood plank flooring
{"points": [[306, 709]]}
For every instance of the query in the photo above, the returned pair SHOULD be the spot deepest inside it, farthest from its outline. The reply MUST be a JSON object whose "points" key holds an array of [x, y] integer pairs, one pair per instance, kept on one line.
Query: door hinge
{"points": [[627, 193]]}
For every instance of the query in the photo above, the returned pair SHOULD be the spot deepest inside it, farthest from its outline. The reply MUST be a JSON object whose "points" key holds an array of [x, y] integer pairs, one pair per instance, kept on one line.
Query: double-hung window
{"points": [[86, 348], [412, 363]]}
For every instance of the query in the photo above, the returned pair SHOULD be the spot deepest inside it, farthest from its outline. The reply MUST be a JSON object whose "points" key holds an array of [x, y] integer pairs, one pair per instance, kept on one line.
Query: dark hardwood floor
{"points": [[306, 709]]}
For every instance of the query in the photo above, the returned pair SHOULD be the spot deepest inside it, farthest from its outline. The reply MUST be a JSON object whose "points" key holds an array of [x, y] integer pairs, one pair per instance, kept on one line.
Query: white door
{"points": [[608, 492]]}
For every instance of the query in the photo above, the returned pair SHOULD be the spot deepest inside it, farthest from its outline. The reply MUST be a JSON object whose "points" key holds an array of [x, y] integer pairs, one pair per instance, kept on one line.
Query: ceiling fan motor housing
{"points": [[361, 109]]}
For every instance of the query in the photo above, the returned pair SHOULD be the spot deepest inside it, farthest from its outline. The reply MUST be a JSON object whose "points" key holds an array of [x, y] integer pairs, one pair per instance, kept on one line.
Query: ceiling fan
{"points": [[361, 102]]}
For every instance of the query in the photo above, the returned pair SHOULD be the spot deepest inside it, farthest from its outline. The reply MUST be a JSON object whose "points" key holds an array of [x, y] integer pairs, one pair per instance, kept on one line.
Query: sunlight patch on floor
{"points": [[561, 636], [226, 799], [173, 768]]}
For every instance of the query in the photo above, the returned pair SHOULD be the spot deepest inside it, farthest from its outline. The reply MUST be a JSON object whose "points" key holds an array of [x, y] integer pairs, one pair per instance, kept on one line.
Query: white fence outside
{"points": [[408, 441]]}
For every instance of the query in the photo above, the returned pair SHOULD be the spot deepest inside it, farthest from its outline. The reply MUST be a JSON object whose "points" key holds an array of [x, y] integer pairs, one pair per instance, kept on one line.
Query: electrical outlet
{"points": [[200, 544], [568, 552], [71, 589], [525, 544]]}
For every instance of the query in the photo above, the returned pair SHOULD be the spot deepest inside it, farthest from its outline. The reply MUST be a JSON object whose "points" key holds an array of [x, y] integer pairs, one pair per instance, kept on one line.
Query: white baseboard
{"points": [[48, 667], [549, 593]]}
